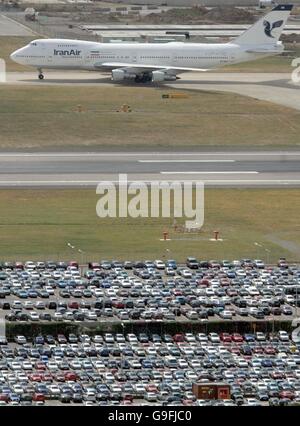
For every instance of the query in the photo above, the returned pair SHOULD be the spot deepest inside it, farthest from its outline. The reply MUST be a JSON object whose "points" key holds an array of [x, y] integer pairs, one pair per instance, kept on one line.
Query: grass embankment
{"points": [[38, 224], [43, 117]]}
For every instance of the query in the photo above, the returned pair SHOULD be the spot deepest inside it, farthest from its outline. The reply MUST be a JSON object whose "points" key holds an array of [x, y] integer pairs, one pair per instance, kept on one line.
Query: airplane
{"points": [[152, 62]]}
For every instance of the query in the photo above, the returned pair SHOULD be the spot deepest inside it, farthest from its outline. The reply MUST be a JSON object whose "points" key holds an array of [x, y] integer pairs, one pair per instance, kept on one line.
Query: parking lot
{"points": [[147, 368], [159, 291], [114, 369]]}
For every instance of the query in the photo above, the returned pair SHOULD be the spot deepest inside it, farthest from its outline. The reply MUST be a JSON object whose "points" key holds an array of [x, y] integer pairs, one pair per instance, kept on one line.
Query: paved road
{"points": [[267, 169], [273, 87], [9, 27]]}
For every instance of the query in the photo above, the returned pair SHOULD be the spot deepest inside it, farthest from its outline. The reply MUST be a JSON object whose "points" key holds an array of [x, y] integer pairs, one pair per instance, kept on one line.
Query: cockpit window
{"points": [[33, 43]]}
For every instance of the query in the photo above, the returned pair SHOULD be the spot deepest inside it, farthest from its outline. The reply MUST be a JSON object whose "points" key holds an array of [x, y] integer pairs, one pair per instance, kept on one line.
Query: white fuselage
{"points": [[85, 55]]}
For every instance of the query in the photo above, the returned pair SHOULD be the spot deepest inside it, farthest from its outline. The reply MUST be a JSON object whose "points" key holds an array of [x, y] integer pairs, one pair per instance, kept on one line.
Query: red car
{"points": [[225, 282], [178, 338], [235, 350], [204, 282], [128, 397], [126, 402], [151, 388], [47, 377], [4, 397], [38, 397], [225, 337], [118, 304], [40, 366], [35, 377], [269, 350], [287, 394], [277, 375], [71, 376], [238, 338], [73, 305]]}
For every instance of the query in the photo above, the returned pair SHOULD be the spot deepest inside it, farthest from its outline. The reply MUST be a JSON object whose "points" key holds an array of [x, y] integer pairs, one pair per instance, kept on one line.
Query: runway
{"points": [[215, 169]]}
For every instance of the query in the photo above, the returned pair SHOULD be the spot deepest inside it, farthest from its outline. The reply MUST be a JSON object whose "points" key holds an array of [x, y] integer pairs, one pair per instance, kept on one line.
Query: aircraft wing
{"points": [[262, 51], [146, 67]]}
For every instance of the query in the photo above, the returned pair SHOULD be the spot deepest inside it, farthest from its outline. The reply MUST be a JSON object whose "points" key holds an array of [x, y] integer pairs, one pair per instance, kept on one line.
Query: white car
{"points": [[28, 305], [21, 340], [33, 316], [170, 272], [132, 338], [252, 402], [226, 314], [186, 273], [91, 316], [27, 365], [159, 264], [183, 363], [214, 337], [30, 265], [190, 337], [260, 337], [17, 304], [202, 337], [58, 316], [50, 290], [259, 264], [283, 336], [151, 397]]}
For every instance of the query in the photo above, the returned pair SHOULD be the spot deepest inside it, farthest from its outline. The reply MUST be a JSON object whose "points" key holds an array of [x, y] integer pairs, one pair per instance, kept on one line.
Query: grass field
{"points": [[272, 64], [43, 117], [38, 224]]}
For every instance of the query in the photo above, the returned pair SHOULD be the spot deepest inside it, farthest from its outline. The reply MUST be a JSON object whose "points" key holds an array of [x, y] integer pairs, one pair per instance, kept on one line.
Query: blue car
{"points": [[249, 337], [171, 264]]}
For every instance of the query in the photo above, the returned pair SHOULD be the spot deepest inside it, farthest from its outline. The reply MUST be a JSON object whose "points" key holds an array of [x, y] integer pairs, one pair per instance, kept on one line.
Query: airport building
{"points": [[208, 3]]}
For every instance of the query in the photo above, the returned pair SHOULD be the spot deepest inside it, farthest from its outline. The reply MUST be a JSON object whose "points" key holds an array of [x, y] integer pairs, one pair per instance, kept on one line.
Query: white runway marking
{"points": [[210, 173], [238, 182], [186, 161]]}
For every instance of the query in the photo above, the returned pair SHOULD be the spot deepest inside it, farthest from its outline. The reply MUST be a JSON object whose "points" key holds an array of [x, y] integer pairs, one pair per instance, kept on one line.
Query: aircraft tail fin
{"points": [[268, 29]]}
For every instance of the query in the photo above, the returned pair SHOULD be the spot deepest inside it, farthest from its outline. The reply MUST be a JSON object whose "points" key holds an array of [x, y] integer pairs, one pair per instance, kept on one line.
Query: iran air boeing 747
{"points": [[144, 62]]}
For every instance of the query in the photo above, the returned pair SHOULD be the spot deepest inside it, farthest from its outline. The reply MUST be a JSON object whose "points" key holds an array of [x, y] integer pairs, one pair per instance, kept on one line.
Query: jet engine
{"points": [[119, 75], [158, 76]]}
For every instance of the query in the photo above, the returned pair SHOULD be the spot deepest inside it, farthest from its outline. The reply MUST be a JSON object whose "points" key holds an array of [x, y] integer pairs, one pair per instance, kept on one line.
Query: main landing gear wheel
{"points": [[41, 76], [144, 78]]}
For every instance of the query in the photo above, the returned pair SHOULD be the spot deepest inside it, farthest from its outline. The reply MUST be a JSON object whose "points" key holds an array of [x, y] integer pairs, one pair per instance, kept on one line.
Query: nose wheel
{"points": [[41, 75]]}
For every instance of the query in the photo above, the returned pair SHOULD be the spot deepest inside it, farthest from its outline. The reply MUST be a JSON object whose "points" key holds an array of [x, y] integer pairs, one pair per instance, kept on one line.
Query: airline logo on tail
{"points": [[270, 27]]}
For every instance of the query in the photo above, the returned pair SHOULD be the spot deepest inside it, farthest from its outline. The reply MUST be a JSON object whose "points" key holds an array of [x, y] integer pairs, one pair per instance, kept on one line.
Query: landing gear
{"points": [[144, 78], [41, 75]]}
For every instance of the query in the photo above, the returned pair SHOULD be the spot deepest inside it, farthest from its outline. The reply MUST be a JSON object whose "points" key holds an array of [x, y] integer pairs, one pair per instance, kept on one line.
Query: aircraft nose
{"points": [[13, 55]]}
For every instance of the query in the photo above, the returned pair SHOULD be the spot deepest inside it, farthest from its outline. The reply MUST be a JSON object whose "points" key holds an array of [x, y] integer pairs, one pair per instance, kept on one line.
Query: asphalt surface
{"points": [[83, 169], [9, 27], [273, 87]]}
